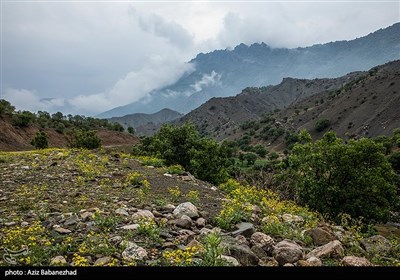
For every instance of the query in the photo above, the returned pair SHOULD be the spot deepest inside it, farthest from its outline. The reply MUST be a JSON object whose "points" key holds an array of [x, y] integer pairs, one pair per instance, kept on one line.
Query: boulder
{"points": [[183, 223], [355, 261], [245, 229], [262, 240], [122, 212], [243, 254], [230, 261], [58, 260], [320, 236], [376, 244], [259, 252], [134, 253], [333, 249], [314, 261], [72, 220], [289, 218], [287, 251], [102, 261], [187, 209], [130, 227], [143, 215], [200, 222]]}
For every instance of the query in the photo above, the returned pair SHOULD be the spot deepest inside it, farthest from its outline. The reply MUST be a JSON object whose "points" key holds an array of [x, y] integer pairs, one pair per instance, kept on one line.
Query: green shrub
{"points": [[6, 107], [131, 130], [322, 124], [40, 141], [354, 178], [85, 139], [23, 119]]}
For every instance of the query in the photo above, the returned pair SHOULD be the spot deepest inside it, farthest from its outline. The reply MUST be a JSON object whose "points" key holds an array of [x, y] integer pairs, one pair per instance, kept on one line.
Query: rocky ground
{"points": [[107, 208]]}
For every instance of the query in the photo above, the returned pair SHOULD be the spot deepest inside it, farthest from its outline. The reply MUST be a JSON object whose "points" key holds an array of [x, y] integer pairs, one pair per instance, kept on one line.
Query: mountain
{"points": [[357, 104], [224, 73], [145, 124]]}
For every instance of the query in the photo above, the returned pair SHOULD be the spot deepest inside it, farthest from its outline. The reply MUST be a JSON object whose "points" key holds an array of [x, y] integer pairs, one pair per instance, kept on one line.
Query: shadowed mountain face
{"points": [[224, 73], [357, 104], [146, 124]]}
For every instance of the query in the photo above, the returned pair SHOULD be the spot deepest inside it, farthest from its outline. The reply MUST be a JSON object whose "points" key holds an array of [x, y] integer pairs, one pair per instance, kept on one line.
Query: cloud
{"points": [[159, 72], [206, 80], [24, 99]]}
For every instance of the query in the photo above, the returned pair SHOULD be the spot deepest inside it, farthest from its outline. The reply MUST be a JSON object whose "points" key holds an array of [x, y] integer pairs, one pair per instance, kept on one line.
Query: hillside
{"points": [[370, 102], [15, 138], [82, 208], [142, 122], [224, 73]]}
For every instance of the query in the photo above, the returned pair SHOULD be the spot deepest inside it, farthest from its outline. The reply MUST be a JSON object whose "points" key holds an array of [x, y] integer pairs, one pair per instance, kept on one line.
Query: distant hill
{"points": [[357, 104], [146, 124], [224, 73]]}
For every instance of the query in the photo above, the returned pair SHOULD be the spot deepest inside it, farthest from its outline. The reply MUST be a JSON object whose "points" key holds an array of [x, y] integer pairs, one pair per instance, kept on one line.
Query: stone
{"points": [[194, 243], [355, 261], [376, 244], [24, 224], [230, 261], [314, 261], [259, 252], [200, 222], [303, 263], [58, 260], [134, 253], [186, 208], [262, 240], [169, 208], [62, 230], [287, 251], [288, 264], [183, 223], [72, 220], [333, 249], [269, 261], [130, 227], [243, 254], [143, 215], [115, 240], [320, 236], [86, 216], [241, 240], [126, 244], [10, 224], [245, 229], [122, 212], [102, 261], [205, 231], [289, 218]]}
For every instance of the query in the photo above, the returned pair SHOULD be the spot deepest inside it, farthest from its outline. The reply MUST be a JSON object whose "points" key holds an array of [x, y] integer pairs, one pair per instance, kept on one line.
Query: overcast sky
{"points": [[88, 57]]}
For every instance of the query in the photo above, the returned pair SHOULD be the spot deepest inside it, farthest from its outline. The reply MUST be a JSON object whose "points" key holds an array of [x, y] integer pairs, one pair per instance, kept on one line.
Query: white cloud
{"points": [[206, 80]]}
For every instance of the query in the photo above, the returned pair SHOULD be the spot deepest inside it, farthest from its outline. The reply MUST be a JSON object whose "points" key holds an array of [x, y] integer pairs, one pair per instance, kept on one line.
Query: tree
{"points": [[131, 130], [40, 141], [322, 124], [260, 150], [354, 178], [22, 119], [250, 158], [6, 107], [85, 139]]}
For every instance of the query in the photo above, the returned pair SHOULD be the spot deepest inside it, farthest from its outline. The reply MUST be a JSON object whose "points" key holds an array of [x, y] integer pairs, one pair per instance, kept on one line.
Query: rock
{"points": [[134, 253], [122, 212], [10, 224], [126, 244], [314, 261], [58, 260], [303, 263], [115, 240], [376, 244], [205, 214], [205, 231], [167, 175], [320, 236], [143, 215], [102, 261], [231, 261], [24, 224], [241, 240], [243, 254], [269, 261], [72, 220], [287, 251], [200, 222], [289, 218], [194, 243], [86, 216], [245, 229], [187, 209], [183, 223], [169, 208], [185, 217], [259, 252], [333, 249], [262, 240], [130, 227], [355, 261], [62, 230], [288, 264]]}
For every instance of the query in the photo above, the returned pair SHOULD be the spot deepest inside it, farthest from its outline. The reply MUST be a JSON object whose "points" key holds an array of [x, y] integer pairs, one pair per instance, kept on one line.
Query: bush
{"points": [[322, 124], [23, 119], [394, 160], [131, 130], [354, 178], [6, 107], [260, 150], [40, 141], [85, 139]]}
